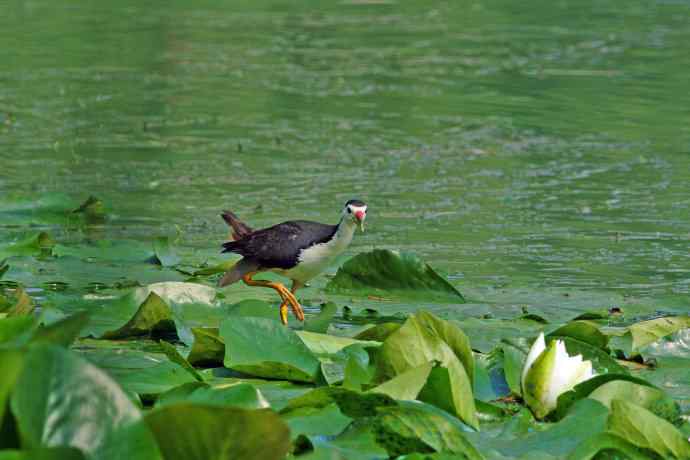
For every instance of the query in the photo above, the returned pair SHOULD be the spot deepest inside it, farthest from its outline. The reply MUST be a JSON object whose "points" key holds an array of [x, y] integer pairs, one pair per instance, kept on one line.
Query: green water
{"points": [[513, 145]]}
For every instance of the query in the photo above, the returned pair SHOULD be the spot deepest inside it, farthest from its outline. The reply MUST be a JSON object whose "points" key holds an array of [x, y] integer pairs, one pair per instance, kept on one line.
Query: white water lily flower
{"points": [[550, 372]]}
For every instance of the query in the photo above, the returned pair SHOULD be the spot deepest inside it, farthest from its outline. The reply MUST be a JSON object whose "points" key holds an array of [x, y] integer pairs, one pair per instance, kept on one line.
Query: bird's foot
{"points": [[290, 300]]}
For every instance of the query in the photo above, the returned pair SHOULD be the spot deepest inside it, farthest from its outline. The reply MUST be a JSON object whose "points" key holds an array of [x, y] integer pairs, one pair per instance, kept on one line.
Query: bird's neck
{"points": [[346, 230]]}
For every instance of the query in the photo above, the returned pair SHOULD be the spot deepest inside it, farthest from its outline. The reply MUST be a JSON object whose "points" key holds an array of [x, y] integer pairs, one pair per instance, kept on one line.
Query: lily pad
{"points": [[644, 429], [265, 348], [644, 333], [60, 399], [54, 453], [403, 430], [33, 245], [164, 253], [203, 432], [391, 272], [423, 338], [240, 395], [322, 421], [208, 349], [406, 385]]}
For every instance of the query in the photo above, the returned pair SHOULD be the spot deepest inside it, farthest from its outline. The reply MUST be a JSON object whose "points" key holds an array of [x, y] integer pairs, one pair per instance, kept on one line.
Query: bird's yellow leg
{"points": [[286, 296], [296, 307]]}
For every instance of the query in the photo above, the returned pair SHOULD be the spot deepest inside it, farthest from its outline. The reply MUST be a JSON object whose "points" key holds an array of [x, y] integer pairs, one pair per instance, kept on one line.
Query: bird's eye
{"points": [[349, 210]]}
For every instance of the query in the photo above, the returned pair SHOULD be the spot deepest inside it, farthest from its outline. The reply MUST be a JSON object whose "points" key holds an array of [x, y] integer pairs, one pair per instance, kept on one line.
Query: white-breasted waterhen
{"points": [[296, 249]]}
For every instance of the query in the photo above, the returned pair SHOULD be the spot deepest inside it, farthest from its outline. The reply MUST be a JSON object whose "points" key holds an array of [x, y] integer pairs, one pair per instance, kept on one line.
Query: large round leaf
{"points": [[199, 432], [265, 348], [61, 399], [390, 272]]}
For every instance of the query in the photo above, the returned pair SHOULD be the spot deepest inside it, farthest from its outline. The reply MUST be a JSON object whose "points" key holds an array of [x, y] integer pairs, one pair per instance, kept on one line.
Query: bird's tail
{"points": [[237, 271], [239, 228]]}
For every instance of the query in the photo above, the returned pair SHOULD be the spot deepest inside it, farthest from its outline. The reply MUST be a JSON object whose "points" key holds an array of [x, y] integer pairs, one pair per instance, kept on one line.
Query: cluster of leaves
{"points": [[178, 370]]}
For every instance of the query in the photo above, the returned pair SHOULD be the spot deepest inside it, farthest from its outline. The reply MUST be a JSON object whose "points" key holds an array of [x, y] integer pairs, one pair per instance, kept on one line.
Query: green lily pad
{"points": [[423, 338], [406, 385], [351, 403], [208, 349], [54, 453], [320, 322], [644, 333], [12, 365], [378, 332], [584, 331], [330, 344], [139, 372], [60, 400], [651, 398], [608, 443], [203, 432], [175, 356], [63, 331], [164, 253], [584, 389], [644, 429], [152, 316], [240, 395], [389, 272], [33, 245], [107, 250], [322, 421], [17, 330], [449, 388], [404, 430], [265, 348]]}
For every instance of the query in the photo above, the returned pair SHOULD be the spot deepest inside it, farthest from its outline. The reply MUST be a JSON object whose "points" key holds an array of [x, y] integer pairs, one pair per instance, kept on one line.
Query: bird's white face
{"points": [[356, 212]]}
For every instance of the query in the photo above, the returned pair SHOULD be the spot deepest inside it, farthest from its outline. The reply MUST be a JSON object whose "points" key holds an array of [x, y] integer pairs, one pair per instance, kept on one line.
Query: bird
{"points": [[297, 249]]}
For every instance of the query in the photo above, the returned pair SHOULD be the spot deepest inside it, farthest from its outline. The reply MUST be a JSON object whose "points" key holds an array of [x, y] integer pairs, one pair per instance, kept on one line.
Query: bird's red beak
{"points": [[360, 215]]}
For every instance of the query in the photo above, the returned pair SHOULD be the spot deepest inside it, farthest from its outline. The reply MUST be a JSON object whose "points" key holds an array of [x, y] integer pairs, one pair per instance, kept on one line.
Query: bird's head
{"points": [[356, 211]]}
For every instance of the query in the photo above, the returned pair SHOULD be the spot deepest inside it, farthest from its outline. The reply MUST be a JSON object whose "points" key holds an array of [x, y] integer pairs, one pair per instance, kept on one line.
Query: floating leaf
{"points": [[240, 395], [584, 331], [387, 271], [62, 332], [644, 429], [164, 253], [614, 446], [92, 207], [140, 372], [54, 453], [644, 333], [202, 432], [60, 400], [153, 315], [651, 398], [265, 348], [351, 403], [379, 332], [11, 363], [329, 344], [208, 349], [320, 322], [584, 389], [423, 338], [32, 245], [403, 430], [322, 421], [17, 330], [406, 385], [174, 356], [449, 388]]}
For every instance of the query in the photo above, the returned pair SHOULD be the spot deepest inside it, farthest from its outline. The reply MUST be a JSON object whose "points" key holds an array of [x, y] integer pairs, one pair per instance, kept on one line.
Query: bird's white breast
{"points": [[315, 259]]}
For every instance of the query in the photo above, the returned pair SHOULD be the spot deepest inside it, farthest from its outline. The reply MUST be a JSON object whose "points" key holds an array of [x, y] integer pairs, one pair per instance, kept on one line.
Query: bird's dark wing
{"points": [[280, 246]]}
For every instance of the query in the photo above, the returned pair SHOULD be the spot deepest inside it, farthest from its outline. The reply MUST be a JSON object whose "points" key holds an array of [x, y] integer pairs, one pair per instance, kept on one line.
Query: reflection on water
{"points": [[535, 145]]}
